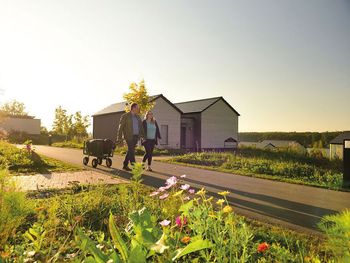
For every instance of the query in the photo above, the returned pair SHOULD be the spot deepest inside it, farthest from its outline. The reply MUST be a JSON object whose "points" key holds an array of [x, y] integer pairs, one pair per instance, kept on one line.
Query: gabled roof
{"points": [[120, 106], [198, 106], [340, 138], [278, 143]]}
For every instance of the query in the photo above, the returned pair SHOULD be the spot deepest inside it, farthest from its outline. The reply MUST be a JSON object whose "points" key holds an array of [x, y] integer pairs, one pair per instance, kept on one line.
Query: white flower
{"points": [[185, 187], [165, 222], [183, 176]]}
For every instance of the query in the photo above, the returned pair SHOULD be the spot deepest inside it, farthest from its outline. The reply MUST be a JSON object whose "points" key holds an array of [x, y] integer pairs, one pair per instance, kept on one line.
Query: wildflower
{"points": [[171, 181], [186, 198], [192, 191], [78, 218], [181, 221], [263, 247], [154, 193], [220, 201], [183, 176], [163, 188], [164, 223], [185, 239], [163, 196], [201, 192], [4, 254], [224, 193], [185, 187], [209, 199], [227, 209], [178, 193], [39, 208]]}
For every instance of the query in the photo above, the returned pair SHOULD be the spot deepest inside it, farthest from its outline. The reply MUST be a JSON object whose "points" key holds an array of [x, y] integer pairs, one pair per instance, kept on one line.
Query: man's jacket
{"points": [[125, 129]]}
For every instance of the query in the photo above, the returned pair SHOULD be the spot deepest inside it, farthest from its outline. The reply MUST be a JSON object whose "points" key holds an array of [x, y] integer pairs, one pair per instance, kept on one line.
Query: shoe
{"points": [[126, 168], [149, 169]]}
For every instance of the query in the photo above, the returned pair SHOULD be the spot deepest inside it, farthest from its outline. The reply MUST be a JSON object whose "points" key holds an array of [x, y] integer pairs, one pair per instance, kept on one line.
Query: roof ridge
{"points": [[198, 100]]}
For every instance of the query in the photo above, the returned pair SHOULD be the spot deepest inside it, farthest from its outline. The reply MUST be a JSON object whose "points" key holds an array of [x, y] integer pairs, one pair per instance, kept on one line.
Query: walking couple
{"points": [[132, 129]]}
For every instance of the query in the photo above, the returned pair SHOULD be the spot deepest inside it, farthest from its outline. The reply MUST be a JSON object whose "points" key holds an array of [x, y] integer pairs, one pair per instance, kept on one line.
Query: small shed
{"points": [[336, 145]]}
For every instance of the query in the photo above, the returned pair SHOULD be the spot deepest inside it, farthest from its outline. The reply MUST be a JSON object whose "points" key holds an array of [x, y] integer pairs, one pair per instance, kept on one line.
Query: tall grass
{"points": [[282, 165]]}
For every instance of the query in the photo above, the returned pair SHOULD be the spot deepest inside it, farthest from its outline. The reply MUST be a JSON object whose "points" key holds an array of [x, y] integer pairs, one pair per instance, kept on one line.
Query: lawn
{"points": [[20, 161], [135, 223], [276, 165]]}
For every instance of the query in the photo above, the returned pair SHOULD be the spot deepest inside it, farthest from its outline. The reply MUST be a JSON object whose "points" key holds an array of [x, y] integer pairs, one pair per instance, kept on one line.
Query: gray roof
{"points": [[340, 138], [200, 105], [114, 108], [120, 106]]}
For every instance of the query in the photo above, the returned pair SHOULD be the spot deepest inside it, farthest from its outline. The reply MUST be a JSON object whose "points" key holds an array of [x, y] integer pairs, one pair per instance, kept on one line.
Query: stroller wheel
{"points": [[94, 163], [109, 162], [85, 160]]}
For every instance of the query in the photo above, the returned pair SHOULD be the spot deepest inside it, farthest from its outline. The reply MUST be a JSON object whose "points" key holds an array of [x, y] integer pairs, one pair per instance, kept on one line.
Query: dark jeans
{"points": [[149, 146], [130, 155]]}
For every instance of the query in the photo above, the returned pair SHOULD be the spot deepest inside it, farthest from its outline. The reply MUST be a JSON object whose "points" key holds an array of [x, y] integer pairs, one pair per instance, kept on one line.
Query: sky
{"points": [[283, 65]]}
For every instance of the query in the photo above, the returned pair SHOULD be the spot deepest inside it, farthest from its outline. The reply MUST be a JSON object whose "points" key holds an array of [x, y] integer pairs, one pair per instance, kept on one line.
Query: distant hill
{"points": [[308, 139]]}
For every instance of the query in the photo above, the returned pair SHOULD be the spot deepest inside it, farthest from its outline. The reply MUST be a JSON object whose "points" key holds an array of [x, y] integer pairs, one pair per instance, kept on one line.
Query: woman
{"points": [[152, 135]]}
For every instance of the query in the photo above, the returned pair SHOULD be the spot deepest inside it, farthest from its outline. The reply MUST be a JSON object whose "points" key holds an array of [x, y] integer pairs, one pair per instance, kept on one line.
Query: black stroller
{"points": [[101, 149]]}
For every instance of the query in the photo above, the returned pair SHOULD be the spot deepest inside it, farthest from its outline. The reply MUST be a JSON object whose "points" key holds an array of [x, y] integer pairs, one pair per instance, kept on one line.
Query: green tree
{"points": [[14, 108], [138, 93], [62, 124], [80, 125]]}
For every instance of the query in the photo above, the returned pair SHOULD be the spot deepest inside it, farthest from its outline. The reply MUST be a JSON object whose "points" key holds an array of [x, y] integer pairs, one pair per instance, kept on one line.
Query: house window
{"points": [[164, 134]]}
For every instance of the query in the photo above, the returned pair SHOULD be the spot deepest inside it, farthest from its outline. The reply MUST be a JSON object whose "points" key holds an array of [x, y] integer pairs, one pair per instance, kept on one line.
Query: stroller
{"points": [[101, 149]]}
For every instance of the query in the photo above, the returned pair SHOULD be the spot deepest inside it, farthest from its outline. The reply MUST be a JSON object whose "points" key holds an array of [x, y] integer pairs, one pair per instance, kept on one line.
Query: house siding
{"points": [[29, 126], [106, 126], [218, 123], [165, 114], [336, 151]]}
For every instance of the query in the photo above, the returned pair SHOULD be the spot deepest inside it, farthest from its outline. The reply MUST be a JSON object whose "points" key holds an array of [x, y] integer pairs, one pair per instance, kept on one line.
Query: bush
{"points": [[68, 144]]}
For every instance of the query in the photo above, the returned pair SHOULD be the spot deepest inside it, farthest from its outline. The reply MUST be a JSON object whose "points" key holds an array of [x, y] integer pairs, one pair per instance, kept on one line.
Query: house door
{"points": [[183, 137]]}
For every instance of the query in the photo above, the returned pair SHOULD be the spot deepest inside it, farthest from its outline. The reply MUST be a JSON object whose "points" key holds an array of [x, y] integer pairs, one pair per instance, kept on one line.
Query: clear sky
{"points": [[283, 65]]}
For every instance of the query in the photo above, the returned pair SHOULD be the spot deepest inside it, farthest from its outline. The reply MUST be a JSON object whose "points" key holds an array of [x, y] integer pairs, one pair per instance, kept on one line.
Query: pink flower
{"points": [[163, 196], [185, 187], [181, 221], [163, 188], [154, 193], [165, 222], [191, 191], [171, 181], [183, 176]]}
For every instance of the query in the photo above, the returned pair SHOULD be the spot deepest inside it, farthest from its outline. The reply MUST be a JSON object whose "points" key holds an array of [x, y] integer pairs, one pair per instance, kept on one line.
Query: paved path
{"points": [[295, 206], [63, 180]]}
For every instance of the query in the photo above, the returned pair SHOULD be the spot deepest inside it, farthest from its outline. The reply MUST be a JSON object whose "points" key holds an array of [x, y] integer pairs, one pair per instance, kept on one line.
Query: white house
{"points": [[194, 125], [27, 124]]}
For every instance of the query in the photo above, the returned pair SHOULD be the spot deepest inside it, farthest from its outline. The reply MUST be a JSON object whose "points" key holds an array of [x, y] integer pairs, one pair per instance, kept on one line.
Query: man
{"points": [[131, 129]]}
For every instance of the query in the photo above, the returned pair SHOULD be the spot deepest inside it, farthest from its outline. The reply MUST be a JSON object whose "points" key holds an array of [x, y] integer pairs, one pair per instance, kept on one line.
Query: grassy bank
{"points": [[20, 161], [276, 165]]}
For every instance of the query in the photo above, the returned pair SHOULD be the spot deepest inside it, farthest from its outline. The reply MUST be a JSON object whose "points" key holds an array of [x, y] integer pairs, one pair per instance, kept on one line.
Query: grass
{"points": [[69, 144], [20, 161], [274, 165]]}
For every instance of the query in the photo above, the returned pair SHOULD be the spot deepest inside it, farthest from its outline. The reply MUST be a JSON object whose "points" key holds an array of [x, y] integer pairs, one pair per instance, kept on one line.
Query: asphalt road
{"points": [[293, 206]]}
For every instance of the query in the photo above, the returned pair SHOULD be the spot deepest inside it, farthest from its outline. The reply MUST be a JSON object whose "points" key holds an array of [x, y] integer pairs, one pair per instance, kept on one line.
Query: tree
{"points": [[14, 108], [62, 124], [80, 125], [138, 93]]}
